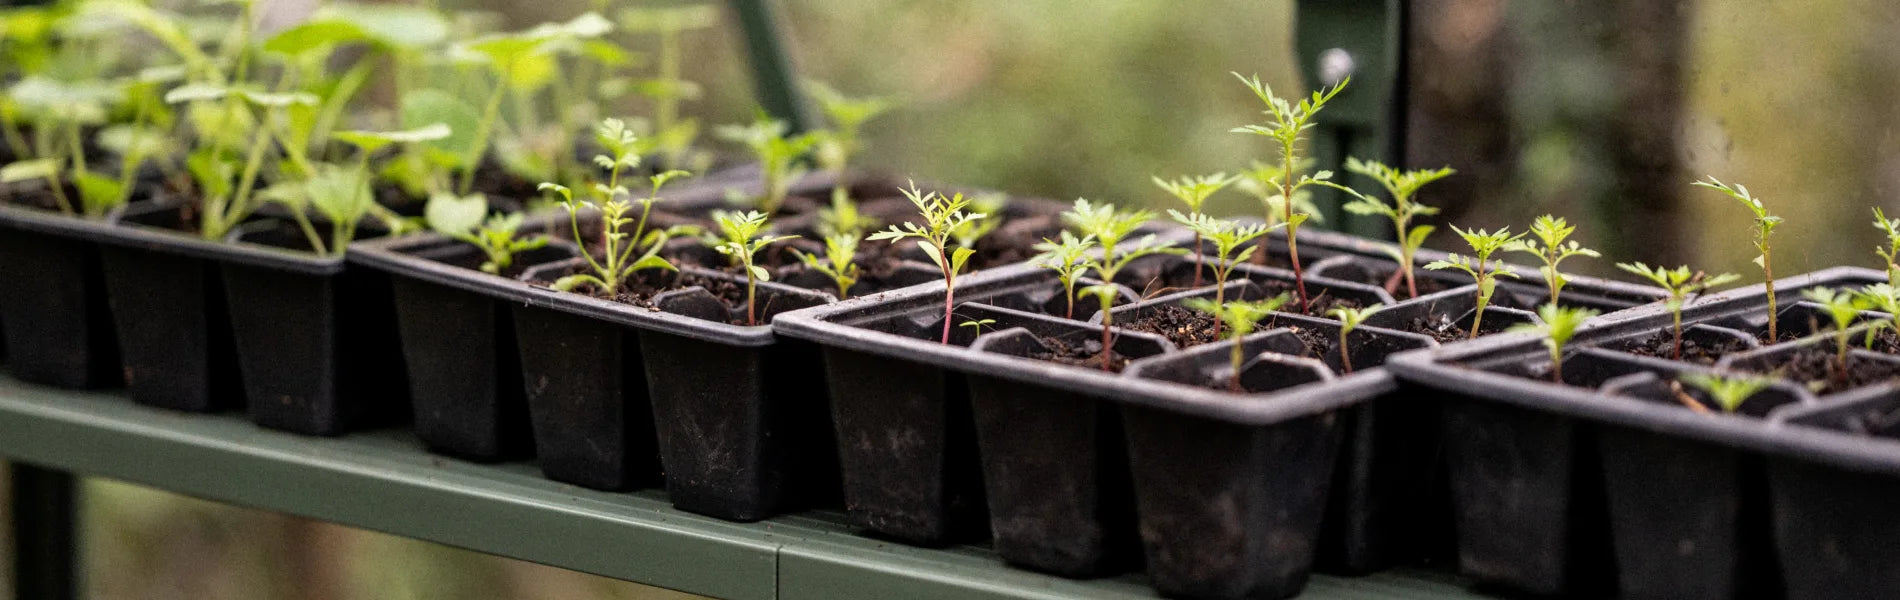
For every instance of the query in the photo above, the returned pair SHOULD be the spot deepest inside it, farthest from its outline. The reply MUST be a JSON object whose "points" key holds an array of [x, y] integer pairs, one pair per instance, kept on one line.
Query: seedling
{"points": [[624, 252], [968, 234], [1069, 259], [1350, 319], [1884, 297], [976, 325], [840, 250], [1553, 233], [670, 88], [1262, 181], [778, 154], [742, 241], [1764, 226], [1227, 237], [1682, 285], [466, 218], [1194, 191], [1842, 308], [1104, 294], [1891, 253], [942, 216], [1241, 318], [1483, 245], [836, 147], [225, 206], [1728, 391], [1401, 185], [1110, 227], [1288, 123], [1557, 325]]}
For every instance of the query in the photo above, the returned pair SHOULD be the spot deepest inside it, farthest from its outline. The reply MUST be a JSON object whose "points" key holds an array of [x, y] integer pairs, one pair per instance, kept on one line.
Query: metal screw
{"points": [[1335, 65]]}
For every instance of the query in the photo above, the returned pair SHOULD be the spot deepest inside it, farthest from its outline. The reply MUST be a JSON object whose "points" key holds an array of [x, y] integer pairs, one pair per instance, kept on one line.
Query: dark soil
{"points": [[1815, 367], [1087, 354], [37, 195], [1184, 326], [1663, 345], [643, 288], [1317, 343], [1444, 329], [1885, 341]]}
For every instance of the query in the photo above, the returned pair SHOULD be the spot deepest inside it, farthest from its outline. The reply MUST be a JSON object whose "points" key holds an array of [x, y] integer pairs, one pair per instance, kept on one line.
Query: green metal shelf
{"points": [[384, 481]]}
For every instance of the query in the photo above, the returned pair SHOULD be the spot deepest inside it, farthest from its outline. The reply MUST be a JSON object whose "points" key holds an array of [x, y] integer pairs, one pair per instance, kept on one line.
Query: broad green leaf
{"points": [[314, 36], [339, 193], [422, 108], [98, 193], [25, 170], [196, 92], [212, 173], [958, 257], [652, 261], [394, 25], [279, 100], [452, 214], [126, 140], [760, 273], [371, 141], [568, 283], [1416, 239]]}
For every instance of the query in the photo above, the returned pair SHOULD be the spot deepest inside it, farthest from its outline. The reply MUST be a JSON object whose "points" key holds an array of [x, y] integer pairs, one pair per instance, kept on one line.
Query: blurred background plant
{"points": [[1600, 112]]}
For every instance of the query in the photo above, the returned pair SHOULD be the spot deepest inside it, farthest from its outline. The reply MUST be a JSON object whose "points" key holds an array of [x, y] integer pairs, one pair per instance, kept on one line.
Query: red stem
{"points": [[1197, 259]]}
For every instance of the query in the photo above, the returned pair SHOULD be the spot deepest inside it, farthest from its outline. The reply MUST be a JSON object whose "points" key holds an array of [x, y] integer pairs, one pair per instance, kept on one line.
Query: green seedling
{"points": [[1479, 266], [838, 146], [1728, 391], [1553, 233], [1557, 325], [1194, 191], [942, 216], [1068, 257], [1262, 181], [668, 89], [976, 326], [1110, 228], [1764, 226], [778, 155], [1227, 237], [1891, 253], [1842, 307], [1350, 319], [1288, 123], [1884, 297], [743, 239], [225, 205], [60, 112], [1682, 285], [1402, 185], [1241, 318], [968, 234], [466, 218], [840, 250], [624, 251], [1104, 294]]}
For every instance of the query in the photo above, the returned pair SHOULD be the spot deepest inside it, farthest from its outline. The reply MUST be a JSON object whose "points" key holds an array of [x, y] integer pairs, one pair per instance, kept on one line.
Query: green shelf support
{"points": [[384, 481], [773, 77], [1364, 39]]}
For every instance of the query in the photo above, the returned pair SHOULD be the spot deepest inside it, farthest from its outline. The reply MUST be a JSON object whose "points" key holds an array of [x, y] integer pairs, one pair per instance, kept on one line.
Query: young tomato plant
{"points": [[942, 216], [1842, 308], [1764, 226], [1241, 318], [1401, 185], [1557, 325], [1227, 238], [1194, 191], [1069, 259], [1891, 253], [466, 218], [742, 241], [1553, 233], [1483, 245], [840, 250], [1728, 391], [1682, 285], [1350, 319], [1288, 123]]}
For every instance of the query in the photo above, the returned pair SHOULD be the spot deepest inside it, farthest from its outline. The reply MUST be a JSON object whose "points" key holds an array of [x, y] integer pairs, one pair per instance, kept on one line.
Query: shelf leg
{"points": [[44, 550]]}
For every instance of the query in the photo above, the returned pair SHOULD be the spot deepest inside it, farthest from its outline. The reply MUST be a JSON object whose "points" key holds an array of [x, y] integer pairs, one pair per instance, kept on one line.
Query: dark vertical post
{"points": [[1363, 39], [43, 533], [772, 74]]}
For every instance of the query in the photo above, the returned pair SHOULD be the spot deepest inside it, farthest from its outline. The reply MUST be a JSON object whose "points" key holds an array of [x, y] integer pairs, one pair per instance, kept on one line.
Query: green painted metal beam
{"points": [[385, 481], [1364, 39], [774, 79]]}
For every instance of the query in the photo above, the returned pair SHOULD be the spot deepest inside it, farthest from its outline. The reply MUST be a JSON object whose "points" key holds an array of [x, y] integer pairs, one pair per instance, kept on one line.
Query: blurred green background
{"points": [[1598, 111]]}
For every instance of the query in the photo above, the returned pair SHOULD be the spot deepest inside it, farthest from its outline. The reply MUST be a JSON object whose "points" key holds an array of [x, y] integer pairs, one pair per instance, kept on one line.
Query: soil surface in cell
{"points": [[1662, 345], [1816, 368], [642, 289], [1086, 354], [1444, 329]]}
